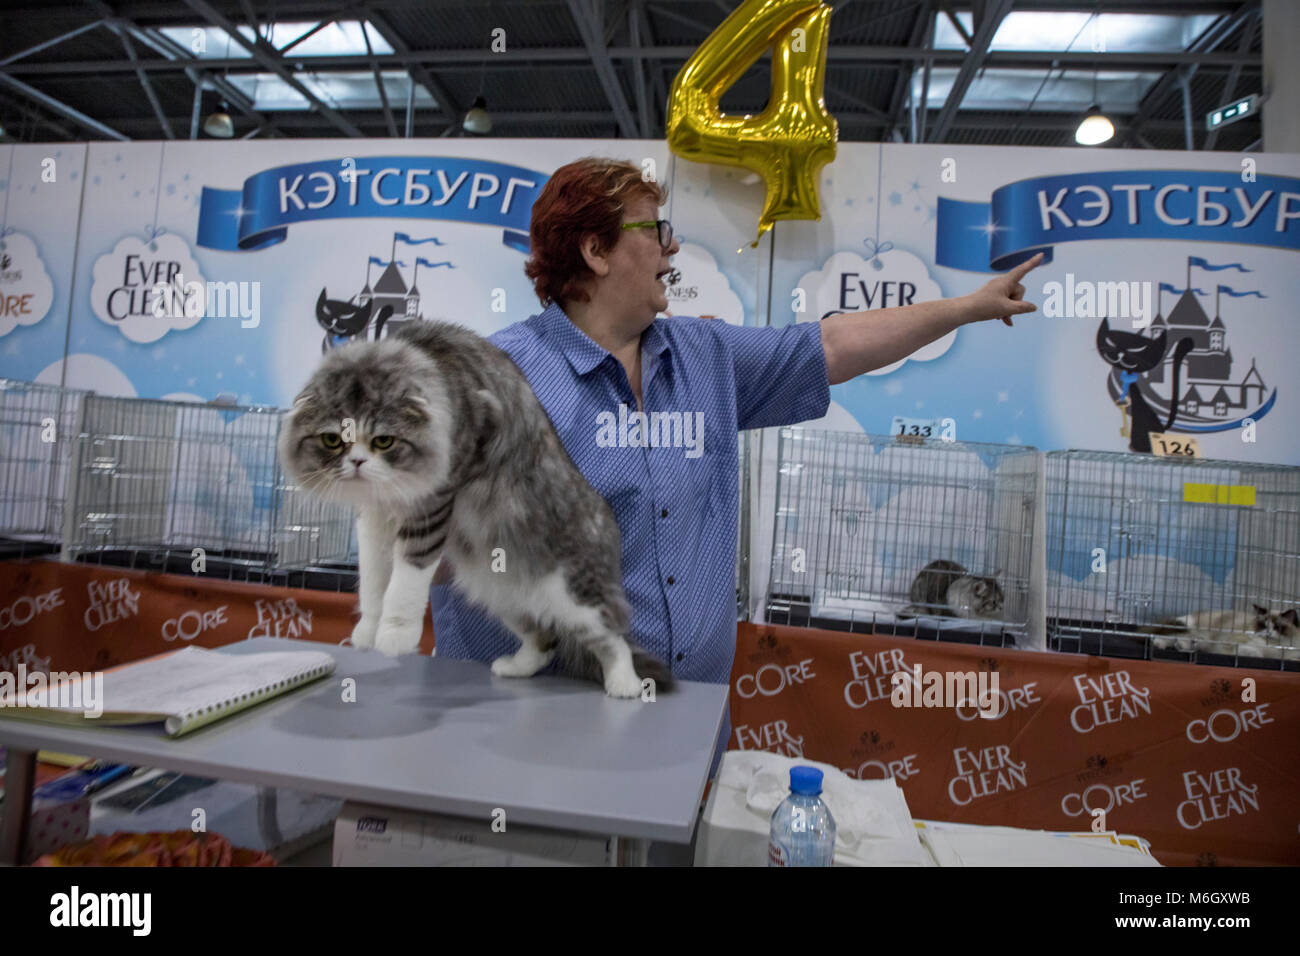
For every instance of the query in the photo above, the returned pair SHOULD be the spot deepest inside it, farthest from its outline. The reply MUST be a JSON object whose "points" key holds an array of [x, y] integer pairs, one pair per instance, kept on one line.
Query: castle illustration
{"points": [[1210, 394], [391, 289]]}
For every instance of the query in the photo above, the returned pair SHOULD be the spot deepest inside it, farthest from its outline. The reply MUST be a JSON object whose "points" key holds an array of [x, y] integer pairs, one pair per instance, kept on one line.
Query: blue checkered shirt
{"points": [[676, 509]]}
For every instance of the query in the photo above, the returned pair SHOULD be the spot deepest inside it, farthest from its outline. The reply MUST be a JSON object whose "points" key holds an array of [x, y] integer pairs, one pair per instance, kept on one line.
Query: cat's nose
{"points": [[357, 461]]}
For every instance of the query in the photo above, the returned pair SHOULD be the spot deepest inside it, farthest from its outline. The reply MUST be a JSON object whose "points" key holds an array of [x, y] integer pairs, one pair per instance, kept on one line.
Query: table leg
{"points": [[629, 852], [20, 781]]}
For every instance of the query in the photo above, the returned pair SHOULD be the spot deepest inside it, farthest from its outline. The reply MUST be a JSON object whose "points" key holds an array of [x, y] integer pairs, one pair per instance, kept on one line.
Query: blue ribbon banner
{"points": [[372, 187], [1032, 216]]}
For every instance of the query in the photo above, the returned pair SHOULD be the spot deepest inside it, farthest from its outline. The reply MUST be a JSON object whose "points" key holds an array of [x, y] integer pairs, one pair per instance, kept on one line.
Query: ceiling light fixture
{"points": [[1095, 128], [220, 124], [478, 119]]}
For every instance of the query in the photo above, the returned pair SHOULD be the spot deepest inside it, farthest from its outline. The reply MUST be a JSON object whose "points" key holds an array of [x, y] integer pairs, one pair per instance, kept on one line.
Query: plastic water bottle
{"points": [[803, 830]]}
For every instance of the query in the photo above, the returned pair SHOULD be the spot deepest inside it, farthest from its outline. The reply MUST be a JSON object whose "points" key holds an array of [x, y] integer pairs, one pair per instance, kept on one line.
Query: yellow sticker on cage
{"points": [[1219, 494]]}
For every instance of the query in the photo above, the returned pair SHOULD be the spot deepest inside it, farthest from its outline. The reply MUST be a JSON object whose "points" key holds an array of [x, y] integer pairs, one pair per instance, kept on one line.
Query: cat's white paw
{"points": [[525, 662], [363, 635], [396, 636], [623, 684]]}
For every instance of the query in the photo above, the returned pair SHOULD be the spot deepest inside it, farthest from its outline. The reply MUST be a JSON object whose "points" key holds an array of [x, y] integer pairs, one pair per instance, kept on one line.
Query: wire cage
{"points": [[859, 516], [1135, 542], [156, 480], [37, 427]]}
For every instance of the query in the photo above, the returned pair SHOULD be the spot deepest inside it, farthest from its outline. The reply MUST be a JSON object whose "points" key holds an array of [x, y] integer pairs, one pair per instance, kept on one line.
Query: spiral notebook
{"points": [[183, 690]]}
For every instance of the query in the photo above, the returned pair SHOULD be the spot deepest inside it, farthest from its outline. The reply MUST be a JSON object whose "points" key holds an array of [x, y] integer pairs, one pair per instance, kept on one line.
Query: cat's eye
{"points": [[331, 440], [382, 442]]}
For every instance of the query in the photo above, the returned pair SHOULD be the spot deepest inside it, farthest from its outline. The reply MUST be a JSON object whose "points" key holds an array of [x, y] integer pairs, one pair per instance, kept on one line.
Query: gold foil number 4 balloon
{"points": [[794, 137]]}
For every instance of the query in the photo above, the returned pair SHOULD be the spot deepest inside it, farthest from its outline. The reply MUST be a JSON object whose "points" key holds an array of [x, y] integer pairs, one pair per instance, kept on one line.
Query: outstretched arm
{"points": [[858, 342]]}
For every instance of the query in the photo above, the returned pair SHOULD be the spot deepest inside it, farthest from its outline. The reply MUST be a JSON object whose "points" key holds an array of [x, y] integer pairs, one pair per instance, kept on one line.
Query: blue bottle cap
{"points": [[806, 780]]}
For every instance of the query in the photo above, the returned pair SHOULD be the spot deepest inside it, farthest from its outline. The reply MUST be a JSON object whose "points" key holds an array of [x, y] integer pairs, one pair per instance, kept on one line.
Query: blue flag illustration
{"points": [[1239, 295], [1202, 264]]}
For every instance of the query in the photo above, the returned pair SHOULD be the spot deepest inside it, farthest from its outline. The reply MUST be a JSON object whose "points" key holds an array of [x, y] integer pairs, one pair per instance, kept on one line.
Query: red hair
{"points": [[584, 198]]}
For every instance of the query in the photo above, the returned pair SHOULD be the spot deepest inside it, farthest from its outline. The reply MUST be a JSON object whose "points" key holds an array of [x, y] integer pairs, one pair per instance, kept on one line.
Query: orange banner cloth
{"points": [[1204, 762]]}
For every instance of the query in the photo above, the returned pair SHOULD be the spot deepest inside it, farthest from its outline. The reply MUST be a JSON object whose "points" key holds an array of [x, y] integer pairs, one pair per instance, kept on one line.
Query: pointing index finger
{"points": [[1019, 271]]}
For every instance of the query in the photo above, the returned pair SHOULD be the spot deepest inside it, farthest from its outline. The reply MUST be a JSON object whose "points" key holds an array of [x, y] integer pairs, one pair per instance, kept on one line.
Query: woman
{"points": [[597, 355]]}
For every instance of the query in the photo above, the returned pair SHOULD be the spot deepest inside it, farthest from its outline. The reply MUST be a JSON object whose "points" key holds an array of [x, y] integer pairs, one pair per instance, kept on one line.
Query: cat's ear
{"points": [[1291, 616], [301, 401], [320, 302], [1260, 612], [417, 407], [1103, 334]]}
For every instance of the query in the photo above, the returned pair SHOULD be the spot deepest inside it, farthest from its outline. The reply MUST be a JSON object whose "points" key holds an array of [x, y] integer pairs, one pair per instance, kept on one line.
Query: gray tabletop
{"points": [[447, 737]]}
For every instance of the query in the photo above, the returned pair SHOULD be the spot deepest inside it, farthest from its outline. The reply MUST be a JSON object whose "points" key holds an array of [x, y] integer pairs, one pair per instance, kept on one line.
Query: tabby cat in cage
{"points": [[437, 440], [945, 589], [1254, 633]]}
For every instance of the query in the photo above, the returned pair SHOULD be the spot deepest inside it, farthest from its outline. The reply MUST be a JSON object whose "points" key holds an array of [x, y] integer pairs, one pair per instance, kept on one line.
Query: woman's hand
{"points": [[1002, 297]]}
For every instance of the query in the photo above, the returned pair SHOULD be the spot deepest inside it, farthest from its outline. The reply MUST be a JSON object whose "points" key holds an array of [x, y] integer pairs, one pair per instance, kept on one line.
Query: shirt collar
{"points": [[583, 353]]}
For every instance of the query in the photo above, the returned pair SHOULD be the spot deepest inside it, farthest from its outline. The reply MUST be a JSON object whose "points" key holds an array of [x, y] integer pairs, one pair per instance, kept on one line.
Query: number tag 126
{"points": [[1171, 446]]}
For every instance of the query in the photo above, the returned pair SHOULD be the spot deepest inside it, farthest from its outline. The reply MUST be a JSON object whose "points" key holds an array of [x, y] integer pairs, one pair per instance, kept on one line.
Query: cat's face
{"points": [[370, 429], [1128, 350], [1283, 628], [341, 318], [988, 597]]}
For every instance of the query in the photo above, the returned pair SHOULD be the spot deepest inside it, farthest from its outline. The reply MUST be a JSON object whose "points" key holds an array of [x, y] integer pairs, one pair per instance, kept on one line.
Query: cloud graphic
{"points": [[849, 283], [702, 290], [26, 292], [90, 372], [121, 294]]}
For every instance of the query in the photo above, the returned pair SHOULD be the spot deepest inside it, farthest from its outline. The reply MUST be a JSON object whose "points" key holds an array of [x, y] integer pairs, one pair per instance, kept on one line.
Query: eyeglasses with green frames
{"points": [[663, 225]]}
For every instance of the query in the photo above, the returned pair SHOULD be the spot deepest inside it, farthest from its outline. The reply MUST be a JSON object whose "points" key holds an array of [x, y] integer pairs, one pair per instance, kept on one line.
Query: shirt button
{"points": [[680, 655], [664, 513], [670, 579]]}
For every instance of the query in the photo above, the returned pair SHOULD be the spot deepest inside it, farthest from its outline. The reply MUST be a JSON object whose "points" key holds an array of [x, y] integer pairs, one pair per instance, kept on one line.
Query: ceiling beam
{"points": [[441, 95], [379, 84], [985, 27], [268, 57], [587, 16], [166, 10], [1234, 75], [656, 72], [898, 99], [197, 75], [144, 80], [638, 71], [305, 120], [1204, 44], [59, 107], [870, 57], [35, 116], [49, 43]]}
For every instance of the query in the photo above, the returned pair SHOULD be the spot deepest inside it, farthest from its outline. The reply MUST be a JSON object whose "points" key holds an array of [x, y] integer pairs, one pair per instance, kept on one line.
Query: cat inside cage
{"points": [[1165, 559], [930, 540]]}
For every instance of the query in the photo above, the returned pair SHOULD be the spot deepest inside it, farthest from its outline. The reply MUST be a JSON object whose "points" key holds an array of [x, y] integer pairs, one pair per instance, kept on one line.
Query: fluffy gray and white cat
{"points": [[1254, 633], [437, 440], [945, 589]]}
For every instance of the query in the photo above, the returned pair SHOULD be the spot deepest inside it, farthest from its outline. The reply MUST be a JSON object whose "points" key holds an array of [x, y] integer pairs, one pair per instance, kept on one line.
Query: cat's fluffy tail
{"points": [[647, 665], [581, 663]]}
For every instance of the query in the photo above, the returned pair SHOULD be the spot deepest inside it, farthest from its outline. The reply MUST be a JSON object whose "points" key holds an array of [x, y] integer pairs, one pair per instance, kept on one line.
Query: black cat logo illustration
{"points": [[1132, 355], [343, 321], [5, 261], [674, 277]]}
